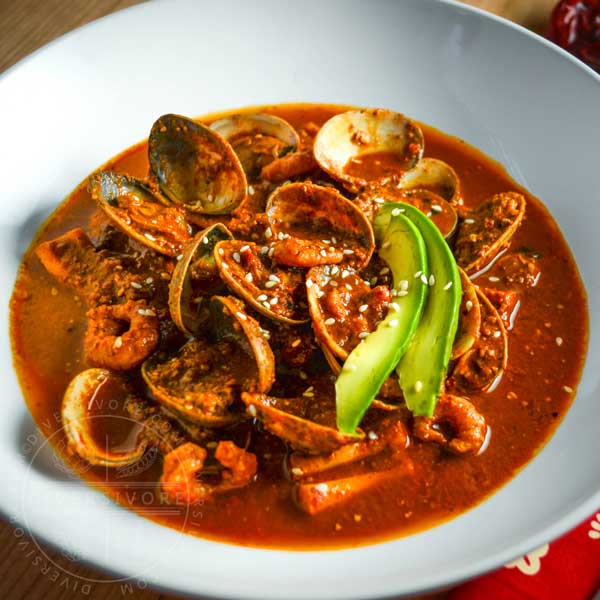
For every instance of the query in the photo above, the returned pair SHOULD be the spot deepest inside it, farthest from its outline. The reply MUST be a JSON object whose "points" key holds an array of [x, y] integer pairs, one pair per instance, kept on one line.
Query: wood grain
{"points": [[29, 572]]}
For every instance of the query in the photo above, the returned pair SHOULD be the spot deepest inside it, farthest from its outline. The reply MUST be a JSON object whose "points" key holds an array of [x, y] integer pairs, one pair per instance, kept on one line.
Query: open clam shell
{"points": [[329, 227], [136, 209], [365, 146], [343, 307], [307, 423], [481, 367], [435, 176], [487, 230], [276, 293], [203, 379], [195, 167], [257, 139], [195, 279], [469, 319], [77, 417]]}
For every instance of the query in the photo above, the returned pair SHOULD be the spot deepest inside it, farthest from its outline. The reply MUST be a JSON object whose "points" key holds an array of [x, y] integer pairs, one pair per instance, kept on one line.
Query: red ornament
{"points": [[575, 26]]}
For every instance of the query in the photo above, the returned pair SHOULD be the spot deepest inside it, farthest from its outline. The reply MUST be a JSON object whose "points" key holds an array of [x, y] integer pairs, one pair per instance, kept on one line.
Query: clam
{"points": [[435, 176], [195, 279], [487, 230], [195, 167], [276, 293], [77, 417], [359, 147], [307, 423], [469, 320], [140, 212], [338, 297], [257, 139], [315, 225], [482, 365], [203, 379]]}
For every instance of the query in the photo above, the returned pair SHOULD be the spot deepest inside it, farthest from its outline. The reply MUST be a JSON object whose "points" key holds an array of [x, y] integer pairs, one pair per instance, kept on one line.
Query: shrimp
{"points": [[468, 426], [182, 465], [121, 336]]}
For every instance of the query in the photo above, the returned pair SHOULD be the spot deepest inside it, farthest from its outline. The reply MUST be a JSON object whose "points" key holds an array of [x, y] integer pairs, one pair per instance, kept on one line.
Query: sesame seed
{"points": [[333, 283], [221, 251], [333, 240], [384, 271], [249, 277], [319, 293], [146, 312], [303, 375], [296, 343], [432, 279], [559, 341], [334, 270], [395, 306], [469, 221], [326, 242], [322, 252], [252, 410], [348, 287], [402, 293], [372, 435], [345, 273], [379, 200], [493, 279], [497, 333], [418, 274], [266, 305], [251, 190], [418, 386], [270, 284], [180, 257], [281, 235], [468, 305], [448, 285], [397, 211], [244, 248], [373, 281], [348, 251], [363, 307], [150, 237], [136, 285], [424, 279], [274, 278], [273, 301], [118, 342], [237, 257], [225, 265], [393, 323], [264, 249], [436, 208], [204, 240], [268, 232], [363, 335], [403, 284], [241, 315], [322, 488], [309, 283], [385, 245], [297, 471], [329, 321], [271, 252], [567, 389], [261, 297]]}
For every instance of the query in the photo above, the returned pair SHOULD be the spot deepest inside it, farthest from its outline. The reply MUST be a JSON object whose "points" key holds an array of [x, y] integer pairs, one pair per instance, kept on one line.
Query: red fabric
{"points": [[567, 569]]}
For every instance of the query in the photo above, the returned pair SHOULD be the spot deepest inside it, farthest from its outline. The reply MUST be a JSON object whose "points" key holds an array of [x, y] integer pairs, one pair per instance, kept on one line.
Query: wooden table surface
{"points": [[26, 571]]}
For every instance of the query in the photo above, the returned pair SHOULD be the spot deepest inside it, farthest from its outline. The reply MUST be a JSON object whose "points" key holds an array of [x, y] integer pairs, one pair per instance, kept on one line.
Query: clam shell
{"points": [[436, 176], [195, 167], [76, 420], [347, 137], [140, 212], [188, 295], [332, 228]]}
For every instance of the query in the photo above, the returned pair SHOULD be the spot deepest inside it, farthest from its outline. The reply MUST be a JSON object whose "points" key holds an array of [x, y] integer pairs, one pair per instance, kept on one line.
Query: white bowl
{"points": [[77, 102]]}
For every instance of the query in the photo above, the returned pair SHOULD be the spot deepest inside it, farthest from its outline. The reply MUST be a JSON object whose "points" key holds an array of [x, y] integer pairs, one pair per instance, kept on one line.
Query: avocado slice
{"points": [[423, 366], [403, 248]]}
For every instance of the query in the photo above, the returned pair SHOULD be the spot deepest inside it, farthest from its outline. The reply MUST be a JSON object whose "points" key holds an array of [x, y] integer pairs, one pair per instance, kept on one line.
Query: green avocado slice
{"points": [[423, 366], [402, 247]]}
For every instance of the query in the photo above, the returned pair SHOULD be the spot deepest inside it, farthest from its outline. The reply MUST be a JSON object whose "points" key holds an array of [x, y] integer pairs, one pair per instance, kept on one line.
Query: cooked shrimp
{"points": [[121, 336], [182, 465], [467, 425]]}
